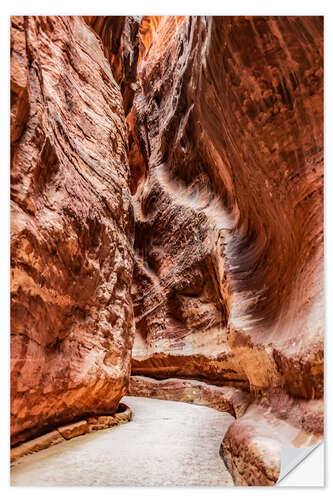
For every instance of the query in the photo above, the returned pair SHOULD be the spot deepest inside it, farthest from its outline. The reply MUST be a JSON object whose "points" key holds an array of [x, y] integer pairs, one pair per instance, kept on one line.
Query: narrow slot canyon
{"points": [[166, 248]]}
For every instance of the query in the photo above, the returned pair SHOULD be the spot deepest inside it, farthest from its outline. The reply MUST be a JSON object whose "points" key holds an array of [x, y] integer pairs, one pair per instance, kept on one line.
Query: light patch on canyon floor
{"points": [[166, 444]]}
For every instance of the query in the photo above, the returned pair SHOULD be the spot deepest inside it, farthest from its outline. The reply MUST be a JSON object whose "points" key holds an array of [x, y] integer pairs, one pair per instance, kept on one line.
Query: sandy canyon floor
{"points": [[166, 444]]}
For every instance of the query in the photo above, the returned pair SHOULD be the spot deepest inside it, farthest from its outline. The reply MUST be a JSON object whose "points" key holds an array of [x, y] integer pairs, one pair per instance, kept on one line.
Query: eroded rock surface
{"points": [[230, 399], [223, 117], [71, 228], [121, 43], [228, 279], [229, 213], [251, 448]]}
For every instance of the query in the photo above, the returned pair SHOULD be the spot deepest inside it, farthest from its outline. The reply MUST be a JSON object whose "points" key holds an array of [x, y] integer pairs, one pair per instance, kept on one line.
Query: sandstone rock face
{"points": [[228, 278], [251, 448], [121, 43], [180, 294], [230, 399], [229, 214], [71, 228], [218, 136]]}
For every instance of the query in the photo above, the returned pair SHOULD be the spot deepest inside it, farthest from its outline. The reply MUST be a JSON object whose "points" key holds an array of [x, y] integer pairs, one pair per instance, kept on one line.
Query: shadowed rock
{"points": [[218, 136], [71, 228], [228, 279]]}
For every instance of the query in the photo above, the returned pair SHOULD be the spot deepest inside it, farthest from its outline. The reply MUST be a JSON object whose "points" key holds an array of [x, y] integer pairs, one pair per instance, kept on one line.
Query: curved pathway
{"points": [[166, 444]]}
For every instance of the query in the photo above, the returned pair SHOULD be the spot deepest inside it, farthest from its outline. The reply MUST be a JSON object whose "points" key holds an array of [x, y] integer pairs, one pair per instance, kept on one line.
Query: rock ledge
{"points": [[69, 431]]}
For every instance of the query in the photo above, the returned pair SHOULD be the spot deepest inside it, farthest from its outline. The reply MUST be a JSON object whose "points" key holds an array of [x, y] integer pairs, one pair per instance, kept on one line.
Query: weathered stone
{"points": [[228, 279], [229, 399], [121, 44], [37, 444], [106, 421], [71, 228], [251, 448], [74, 429]]}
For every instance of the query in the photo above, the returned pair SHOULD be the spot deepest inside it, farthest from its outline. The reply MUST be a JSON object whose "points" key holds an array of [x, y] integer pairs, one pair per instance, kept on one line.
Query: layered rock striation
{"points": [[226, 399], [71, 228], [228, 277], [229, 212], [208, 133]]}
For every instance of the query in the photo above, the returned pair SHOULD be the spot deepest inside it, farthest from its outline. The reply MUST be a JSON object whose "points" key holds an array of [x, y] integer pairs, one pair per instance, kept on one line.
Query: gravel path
{"points": [[166, 444]]}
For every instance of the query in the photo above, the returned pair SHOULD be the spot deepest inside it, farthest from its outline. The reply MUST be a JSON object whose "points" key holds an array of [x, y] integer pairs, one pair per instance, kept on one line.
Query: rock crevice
{"points": [[167, 220]]}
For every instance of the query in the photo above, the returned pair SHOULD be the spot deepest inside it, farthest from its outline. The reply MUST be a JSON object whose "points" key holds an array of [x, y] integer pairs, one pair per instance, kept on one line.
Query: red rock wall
{"points": [[228, 279], [229, 213], [121, 44], [224, 126], [71, 228]]}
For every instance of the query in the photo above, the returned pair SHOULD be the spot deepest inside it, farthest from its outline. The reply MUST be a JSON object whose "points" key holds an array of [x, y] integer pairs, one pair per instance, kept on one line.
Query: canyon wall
{"points": [[71, 228], [228, 236], [171, 168], [228, 277]]}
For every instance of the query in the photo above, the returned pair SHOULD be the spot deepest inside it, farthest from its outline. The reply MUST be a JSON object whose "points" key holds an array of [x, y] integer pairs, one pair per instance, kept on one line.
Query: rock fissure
{"points": [[167, 223]]}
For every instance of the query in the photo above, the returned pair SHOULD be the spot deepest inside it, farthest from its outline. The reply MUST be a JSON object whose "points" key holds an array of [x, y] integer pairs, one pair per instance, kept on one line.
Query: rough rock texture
{"points": [[228, 278], [229, 213], [70, 431], [71, 228], [121, 42], [229, 399], [104, 422], [224, 125], [251, 448]]}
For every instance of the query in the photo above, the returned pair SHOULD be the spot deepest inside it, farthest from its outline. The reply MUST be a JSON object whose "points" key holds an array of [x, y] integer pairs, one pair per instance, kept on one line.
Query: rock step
{"points": [[70, 431]]}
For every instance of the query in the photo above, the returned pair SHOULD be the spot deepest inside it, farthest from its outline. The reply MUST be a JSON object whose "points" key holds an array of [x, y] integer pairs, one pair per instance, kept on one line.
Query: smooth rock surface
{"points": [[166, 444], [229, 399], [71, 228], [252, 445], [228, 278]]}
